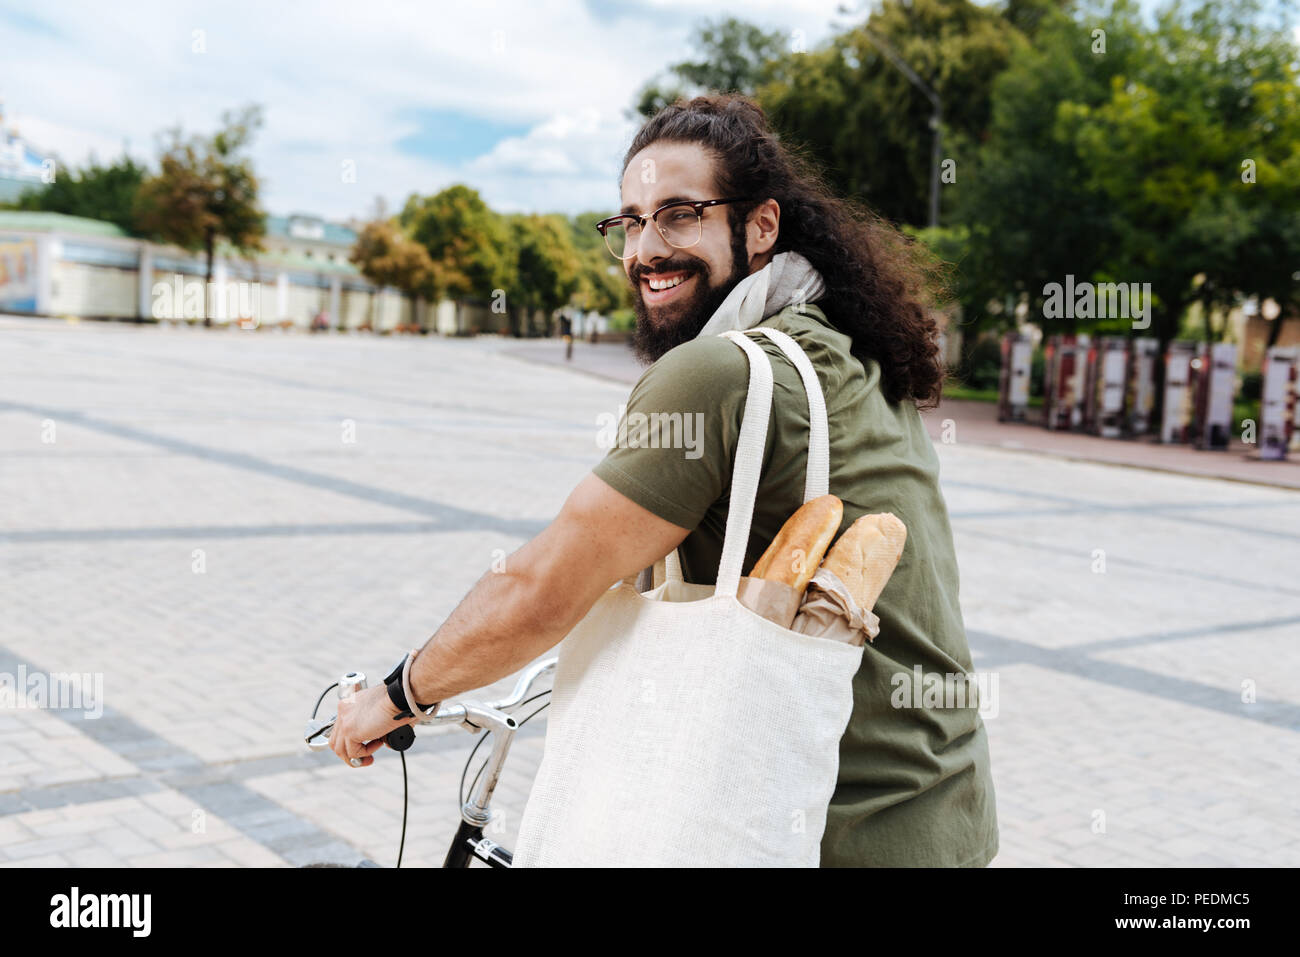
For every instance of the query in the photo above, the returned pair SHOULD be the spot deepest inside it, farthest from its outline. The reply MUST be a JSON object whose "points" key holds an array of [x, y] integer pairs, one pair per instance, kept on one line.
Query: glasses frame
{"points": [[699, 205]]}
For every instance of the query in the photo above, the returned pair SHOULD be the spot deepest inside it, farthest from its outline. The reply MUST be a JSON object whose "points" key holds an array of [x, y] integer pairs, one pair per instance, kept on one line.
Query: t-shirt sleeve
{"points": [[671, 452]]}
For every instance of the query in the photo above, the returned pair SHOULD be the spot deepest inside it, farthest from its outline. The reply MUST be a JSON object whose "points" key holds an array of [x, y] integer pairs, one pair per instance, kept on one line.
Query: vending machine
{"points": [[1063, 362], [1176, 420], [1278, 401], [1140, 397], [1215, 381], [1013, 379], [1107, 366]]}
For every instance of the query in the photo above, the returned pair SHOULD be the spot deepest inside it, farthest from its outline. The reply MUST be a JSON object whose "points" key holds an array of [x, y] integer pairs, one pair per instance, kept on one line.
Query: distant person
{"points": [[710, 196]]}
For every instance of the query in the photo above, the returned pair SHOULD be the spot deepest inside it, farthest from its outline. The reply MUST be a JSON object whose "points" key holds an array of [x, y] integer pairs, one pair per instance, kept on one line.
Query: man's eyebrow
{"points": [[632, 209]]}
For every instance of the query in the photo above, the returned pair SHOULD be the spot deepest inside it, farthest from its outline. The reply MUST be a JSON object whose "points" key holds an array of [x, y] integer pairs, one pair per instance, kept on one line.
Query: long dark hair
{"points": [[880, 285]]}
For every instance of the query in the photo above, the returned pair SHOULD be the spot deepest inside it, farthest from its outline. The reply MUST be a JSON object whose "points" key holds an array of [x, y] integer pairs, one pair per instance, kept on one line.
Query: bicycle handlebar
{"points": [[470, 714]]}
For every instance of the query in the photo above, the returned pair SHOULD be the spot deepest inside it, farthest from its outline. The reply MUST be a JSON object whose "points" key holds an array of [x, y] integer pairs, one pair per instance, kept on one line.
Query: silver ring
{"points": [[355, 762]]}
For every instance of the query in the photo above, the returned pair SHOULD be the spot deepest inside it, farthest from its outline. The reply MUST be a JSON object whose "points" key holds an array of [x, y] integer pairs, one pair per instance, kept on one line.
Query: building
{"points": [[22, 166], [57, 265]]}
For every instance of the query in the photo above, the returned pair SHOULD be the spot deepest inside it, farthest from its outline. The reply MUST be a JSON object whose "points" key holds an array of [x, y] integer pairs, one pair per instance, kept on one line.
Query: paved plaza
{"points": [[220, 523]]}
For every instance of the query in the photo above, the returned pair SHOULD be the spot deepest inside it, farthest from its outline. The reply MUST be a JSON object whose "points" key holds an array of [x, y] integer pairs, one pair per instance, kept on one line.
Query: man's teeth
{"points": [[657, 284]]}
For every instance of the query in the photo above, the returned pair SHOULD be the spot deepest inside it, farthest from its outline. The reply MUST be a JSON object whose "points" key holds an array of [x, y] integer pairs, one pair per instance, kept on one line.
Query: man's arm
{"points": [[512, 616]]}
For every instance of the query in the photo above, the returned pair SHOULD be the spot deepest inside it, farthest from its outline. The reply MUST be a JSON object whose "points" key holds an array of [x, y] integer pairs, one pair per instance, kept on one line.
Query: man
{"points": [[710, 197]]}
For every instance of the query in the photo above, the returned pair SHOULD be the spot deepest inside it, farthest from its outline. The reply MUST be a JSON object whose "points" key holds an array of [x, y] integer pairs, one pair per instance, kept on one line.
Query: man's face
{"points": [[694, 280]]}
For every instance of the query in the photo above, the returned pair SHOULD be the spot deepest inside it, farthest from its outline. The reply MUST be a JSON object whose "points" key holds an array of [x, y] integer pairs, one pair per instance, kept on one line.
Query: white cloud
{"points": [[341, 80]]}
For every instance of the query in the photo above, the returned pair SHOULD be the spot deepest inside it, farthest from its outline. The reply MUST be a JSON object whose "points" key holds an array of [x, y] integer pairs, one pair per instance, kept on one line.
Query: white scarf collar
{"points": [[789, 278]]}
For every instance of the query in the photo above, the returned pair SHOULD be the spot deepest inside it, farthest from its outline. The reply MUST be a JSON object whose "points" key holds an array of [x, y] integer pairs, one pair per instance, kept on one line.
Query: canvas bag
{"points": [[684, 729]]}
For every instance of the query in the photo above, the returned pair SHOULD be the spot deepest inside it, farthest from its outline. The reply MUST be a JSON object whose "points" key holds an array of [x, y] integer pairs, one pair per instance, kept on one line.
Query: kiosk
{"points": [[1063, 361], [1013, 379], [1215, 378], [1104, 399], [1140, 394], [1176, 418], [1277, 402]]}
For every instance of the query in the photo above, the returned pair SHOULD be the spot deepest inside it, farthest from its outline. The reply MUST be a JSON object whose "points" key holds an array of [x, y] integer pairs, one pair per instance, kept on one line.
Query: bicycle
{"points": [[473, 716]]}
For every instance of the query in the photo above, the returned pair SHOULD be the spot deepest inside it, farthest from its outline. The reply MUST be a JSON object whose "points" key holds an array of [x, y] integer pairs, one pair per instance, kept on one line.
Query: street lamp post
{"points": [[936, 118]]}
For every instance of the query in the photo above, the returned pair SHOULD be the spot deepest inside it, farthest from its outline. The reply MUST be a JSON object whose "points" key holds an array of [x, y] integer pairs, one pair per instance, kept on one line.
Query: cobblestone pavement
{"points": [[220, 523]]}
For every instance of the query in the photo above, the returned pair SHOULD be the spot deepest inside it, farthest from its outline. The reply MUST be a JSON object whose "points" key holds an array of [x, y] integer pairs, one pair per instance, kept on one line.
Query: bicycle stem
{"points": [[475, 810]]}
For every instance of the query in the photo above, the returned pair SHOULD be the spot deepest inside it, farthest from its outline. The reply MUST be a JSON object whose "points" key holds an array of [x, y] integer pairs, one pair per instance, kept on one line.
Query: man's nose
{"points": [[651, 246]]}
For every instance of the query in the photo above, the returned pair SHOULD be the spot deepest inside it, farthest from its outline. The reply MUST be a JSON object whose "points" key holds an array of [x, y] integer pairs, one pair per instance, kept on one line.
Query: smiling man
{"points": [[711, 203]]}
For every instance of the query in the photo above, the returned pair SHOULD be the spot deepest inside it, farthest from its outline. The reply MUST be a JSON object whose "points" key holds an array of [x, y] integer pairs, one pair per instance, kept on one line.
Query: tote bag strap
{"points": [[817, 477], [748, 465], [817, 480]]}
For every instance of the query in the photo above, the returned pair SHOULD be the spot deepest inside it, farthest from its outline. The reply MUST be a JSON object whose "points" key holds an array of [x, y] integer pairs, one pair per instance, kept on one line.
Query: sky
{"points": [[524, 101]]}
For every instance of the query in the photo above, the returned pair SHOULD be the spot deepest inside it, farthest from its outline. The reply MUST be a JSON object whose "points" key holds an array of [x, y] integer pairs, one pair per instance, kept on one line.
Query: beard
{"points": [[681, 320]]}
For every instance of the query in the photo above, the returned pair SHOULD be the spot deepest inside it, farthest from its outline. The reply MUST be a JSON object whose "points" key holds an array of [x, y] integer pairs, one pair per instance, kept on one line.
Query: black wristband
{"points": [[396, 694]]}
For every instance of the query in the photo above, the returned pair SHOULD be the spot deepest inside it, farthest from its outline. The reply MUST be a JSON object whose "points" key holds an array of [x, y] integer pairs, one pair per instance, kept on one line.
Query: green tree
{"points": [[469, 244], [1196, 150], [732, 56], [546, 269], [387, 257], [1032, 216], [866, 122], [205, 190], [1116, 155], [106, 193]]}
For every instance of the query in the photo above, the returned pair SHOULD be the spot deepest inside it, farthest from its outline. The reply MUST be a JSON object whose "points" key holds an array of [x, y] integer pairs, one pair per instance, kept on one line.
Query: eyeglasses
{"points": [[680, 224]]}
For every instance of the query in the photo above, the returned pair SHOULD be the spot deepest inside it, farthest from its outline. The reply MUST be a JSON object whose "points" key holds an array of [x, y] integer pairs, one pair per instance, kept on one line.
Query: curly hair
{"points": [[881, 286]]}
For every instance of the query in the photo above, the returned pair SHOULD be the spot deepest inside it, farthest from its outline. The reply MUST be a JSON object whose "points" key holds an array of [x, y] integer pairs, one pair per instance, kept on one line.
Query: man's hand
{"points": [[365, 716]]}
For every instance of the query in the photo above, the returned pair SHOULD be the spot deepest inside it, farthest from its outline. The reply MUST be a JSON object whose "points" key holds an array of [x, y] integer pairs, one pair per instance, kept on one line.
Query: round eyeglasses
{"points": [[681, 224]]}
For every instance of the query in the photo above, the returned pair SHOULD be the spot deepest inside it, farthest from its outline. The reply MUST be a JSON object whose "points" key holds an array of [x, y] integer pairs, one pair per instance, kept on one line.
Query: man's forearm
{"points": [[505, 621]]}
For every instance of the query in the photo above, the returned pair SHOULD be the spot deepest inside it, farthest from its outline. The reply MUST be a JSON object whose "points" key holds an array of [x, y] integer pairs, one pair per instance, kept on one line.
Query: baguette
{"points": [[797, 550], [865, 556]]}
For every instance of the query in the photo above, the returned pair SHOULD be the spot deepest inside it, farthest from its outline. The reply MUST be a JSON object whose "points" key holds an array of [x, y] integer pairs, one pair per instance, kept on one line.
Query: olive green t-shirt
{"points": [[914, 787]]}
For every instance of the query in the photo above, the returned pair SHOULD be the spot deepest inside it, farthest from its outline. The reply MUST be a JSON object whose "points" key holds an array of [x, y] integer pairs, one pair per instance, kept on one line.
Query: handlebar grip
{"points": [[399, 739]]}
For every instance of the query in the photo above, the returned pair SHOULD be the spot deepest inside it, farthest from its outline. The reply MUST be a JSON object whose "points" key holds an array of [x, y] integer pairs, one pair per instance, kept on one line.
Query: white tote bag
{"points": [[684, 729]]}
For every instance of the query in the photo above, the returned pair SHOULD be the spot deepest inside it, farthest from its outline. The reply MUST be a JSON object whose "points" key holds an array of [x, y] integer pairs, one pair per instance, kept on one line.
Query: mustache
{"points": [[638, 272]]}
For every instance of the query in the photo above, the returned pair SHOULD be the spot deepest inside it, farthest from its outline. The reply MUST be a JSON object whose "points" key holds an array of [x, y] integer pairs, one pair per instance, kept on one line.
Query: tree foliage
{"points": [[105, 193], [732, 56], [467, 242], [867, 123], [388, 257], [1130, 160], [205, 189]]}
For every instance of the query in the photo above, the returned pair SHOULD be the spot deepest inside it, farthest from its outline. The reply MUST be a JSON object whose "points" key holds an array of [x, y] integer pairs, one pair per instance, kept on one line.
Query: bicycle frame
{"points": [[475, 813]]}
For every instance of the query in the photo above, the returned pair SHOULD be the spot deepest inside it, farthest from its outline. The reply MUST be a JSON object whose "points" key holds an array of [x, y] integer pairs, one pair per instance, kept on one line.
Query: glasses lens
{"points": [[680, 226], [616, 239]]}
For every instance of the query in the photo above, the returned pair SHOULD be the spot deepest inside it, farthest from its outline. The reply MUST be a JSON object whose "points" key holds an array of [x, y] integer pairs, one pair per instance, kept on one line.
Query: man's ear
{"points": [[761, 230]]}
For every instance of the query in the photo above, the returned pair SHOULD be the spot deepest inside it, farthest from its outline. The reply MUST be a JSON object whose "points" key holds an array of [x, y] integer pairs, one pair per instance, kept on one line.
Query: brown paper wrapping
{"points": [[775, 601], [829, 611]]}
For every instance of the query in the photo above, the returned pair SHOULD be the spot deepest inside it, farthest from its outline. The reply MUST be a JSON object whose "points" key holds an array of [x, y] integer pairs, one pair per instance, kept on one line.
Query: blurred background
{"points": [[358, 331]]}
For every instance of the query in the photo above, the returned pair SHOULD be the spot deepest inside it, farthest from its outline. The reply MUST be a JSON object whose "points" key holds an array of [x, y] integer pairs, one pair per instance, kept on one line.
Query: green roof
{"points": [[297, 261], [332, 233], [58, 222]]}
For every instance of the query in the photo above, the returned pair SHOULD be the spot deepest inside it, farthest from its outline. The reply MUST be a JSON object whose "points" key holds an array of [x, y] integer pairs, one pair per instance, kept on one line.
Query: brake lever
{"points": [[317, 734]]}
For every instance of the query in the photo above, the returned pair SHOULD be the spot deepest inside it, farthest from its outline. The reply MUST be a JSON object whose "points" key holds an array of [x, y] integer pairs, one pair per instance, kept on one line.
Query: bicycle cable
{"points": [[405, 791], [479, 744], [401, 847], [482, 767], [322, 698]]}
